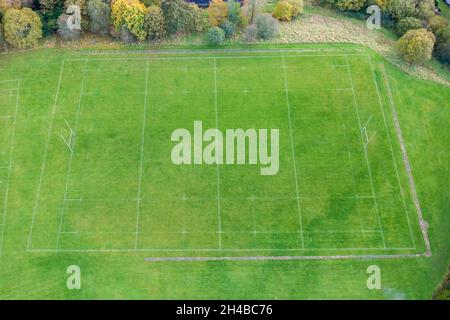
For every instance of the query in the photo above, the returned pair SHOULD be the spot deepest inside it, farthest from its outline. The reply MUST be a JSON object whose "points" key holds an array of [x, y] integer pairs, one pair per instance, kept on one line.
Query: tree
{"points": [[350, 5], [154, 23], [64, 31], [2, 39], [217, 12], [215, 36], [181, 16], [297, 7], [268, 26], [251, 9], [416, 46], [283, 11], [131, 15], [420, 9], [436, 23], [408, 23], [234, 12], [100, 16], [441, 29], [442, 48], [22, 28], [49, 11]]}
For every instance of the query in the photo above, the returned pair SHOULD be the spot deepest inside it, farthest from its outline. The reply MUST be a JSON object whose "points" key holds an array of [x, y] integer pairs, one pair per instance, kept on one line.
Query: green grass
{"points": [[118, 198]]}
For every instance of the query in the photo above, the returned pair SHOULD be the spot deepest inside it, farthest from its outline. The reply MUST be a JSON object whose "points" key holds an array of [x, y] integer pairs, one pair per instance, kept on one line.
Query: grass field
{"points": [[87, 175]]}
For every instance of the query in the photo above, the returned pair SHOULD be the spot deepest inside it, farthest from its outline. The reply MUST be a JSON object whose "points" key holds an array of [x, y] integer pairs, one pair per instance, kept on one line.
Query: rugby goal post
{"points": [[69, 142], [365, 134]]}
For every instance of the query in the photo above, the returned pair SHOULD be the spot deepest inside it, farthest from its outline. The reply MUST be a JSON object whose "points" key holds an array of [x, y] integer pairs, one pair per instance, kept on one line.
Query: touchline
{"points": [[236, 146]]}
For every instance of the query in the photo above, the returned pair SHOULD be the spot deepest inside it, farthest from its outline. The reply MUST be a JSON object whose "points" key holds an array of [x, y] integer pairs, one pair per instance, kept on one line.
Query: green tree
{"points": [[228, 28], [100, 16], [234, 12], [154, 23], [49, 11], [420, 9], [416, 46], [442, 48], [22, 28], [350, 5], [182, 17]]}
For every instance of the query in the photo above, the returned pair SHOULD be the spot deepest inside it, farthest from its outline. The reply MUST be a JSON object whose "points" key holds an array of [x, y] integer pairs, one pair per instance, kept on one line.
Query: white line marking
{"points": [[392, 154], [365, 153], [283, 258], [11, 155], [293, 153], [7, 116], [223, 57], [141, 166], [69, 169], [407, 164], [213, 250], [219, 219], [36, 204]]}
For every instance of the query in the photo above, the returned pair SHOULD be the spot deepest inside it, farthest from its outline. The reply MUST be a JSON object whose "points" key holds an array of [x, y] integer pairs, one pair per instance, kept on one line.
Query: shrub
{"points": [[350, 5], [22, 27], [82, 4], [217, 12], [181, 16], [99, 14], [131, 15], [126, 36], [228, 28], [406, 24], [154, 23], [437, 23], [283, 11], [215, 36], [49, 11], [64, 31], [268, 26], [297, 7], [416, 46], [251, 33]]}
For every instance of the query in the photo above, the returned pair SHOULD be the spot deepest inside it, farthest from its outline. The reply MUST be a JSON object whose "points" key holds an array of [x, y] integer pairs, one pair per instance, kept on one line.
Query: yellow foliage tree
{"points": [[217, 12], [131, 15], [416, 46]]}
